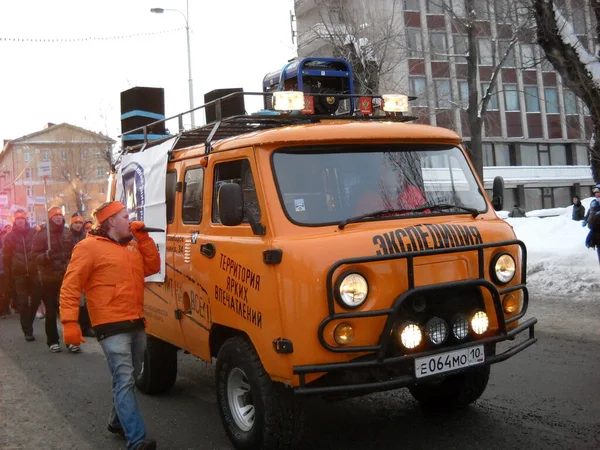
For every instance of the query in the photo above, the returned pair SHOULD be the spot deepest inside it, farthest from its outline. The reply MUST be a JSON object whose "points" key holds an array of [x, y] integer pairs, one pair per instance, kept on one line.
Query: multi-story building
{"points": [[60, 165], [536, 131]]}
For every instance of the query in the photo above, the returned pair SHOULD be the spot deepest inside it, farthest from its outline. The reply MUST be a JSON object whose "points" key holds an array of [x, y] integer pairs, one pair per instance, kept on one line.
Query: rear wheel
{"points": [[256, 412], [160, 367], [454, 391]]}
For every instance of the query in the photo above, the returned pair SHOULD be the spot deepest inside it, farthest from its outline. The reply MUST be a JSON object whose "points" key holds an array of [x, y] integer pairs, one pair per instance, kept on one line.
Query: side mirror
{"points": [[498, 193], [231, 204]]}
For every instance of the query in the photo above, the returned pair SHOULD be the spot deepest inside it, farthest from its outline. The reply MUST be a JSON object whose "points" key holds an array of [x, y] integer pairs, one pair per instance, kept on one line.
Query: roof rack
{"points": [[243, 124]]}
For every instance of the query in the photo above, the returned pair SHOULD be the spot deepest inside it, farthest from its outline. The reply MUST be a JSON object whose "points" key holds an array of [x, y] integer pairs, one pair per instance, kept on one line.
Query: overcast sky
{"points": [[102, 47]]}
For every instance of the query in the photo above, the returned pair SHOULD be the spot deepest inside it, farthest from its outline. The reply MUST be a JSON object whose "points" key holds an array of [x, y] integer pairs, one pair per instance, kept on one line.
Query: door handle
{"points": [[208, 249]]}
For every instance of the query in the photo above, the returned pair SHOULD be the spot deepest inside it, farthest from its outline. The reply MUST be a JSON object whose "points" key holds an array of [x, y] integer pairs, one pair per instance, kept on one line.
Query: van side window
{"points": [[237, 172], [171, 182], [193, 183]]}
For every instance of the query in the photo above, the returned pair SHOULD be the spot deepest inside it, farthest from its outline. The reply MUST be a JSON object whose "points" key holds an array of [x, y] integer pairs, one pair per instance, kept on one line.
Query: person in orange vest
{"points": [[110, 268]]}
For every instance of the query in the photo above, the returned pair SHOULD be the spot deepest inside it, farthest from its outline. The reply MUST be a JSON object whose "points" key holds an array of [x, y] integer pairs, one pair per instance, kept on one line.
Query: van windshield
{"points": [[323, 185]]}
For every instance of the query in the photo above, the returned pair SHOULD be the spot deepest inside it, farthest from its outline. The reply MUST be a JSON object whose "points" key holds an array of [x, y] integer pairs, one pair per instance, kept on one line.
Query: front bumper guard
{"points": [[408, 380]]}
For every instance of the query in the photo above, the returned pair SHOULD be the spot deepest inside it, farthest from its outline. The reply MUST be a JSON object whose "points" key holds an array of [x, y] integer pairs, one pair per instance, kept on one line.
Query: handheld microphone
{"points": [[151, 229]]}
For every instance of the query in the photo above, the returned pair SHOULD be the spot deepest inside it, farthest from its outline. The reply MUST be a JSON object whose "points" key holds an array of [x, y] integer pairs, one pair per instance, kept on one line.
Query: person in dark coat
{"points": [[517, 212], [592, 220], [52, 261], [79, 233], [578, 209], [20, 271]]}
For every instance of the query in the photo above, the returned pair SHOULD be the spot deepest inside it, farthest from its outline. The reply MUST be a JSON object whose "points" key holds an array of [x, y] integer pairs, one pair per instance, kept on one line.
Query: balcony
{"points": [[538, 176]]}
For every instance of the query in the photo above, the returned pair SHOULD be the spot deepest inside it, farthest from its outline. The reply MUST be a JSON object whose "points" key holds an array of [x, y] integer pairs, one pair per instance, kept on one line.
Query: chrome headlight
{"points": [[352, 290], [411, 335], [503, 268], [480, 322], [460, 327]]}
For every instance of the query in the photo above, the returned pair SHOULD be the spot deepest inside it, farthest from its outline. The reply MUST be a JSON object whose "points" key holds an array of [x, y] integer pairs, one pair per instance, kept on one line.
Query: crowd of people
{"points": [[71, 271]]}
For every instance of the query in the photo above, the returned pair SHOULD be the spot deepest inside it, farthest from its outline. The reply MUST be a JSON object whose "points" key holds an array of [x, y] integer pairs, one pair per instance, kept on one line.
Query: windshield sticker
{"points": [[426, 237], [299, 205]]}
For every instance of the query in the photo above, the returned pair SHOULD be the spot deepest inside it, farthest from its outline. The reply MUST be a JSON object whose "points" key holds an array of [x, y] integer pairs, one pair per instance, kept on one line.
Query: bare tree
{"points": [[578, 67], [76, 164], [373, 40], [366, 35], [468, 23]]}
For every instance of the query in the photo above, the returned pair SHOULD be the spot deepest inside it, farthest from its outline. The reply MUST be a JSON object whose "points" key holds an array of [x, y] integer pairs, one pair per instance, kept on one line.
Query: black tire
{"points": [[278, 416], [454, 391], [160, 367]]}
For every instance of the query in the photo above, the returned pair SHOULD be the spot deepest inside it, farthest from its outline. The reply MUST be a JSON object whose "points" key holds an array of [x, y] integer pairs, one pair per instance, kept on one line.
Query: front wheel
{"points": [[256, 412], [454, 391]]}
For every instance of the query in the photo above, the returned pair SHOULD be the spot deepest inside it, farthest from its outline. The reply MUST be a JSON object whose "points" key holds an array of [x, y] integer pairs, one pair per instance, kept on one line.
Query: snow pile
{"points": [[558, 261]]}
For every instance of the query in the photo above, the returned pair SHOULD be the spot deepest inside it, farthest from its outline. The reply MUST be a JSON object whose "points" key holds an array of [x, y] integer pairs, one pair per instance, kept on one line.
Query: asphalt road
{"points": [[546, 397]]}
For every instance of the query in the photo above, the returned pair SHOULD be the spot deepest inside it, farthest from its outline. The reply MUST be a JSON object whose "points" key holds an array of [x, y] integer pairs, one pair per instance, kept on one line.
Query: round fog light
{"points": [[411, 336], [437, 330], [343, 333], [511, 303], [460, 327], [480, 322]]}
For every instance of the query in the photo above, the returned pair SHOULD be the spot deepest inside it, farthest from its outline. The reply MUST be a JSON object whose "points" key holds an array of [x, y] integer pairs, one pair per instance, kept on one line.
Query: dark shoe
{"points": [[29, 338], [146, 444], [115, 430]]}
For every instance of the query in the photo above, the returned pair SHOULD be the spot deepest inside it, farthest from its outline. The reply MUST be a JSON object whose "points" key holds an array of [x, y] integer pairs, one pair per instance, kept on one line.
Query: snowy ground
{"points": [[558, 263]]}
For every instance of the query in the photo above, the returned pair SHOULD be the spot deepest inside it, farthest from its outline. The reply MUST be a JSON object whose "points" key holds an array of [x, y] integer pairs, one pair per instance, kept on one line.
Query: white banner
{"points": [[141, 187]]}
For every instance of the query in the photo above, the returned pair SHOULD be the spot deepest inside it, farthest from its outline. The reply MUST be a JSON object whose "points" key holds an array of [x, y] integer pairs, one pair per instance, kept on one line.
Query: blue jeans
{"points": [[125, 355]]}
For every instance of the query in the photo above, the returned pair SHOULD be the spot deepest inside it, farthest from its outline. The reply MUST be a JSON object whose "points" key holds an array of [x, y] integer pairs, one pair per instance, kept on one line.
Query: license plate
{"points": [[444, 362]]}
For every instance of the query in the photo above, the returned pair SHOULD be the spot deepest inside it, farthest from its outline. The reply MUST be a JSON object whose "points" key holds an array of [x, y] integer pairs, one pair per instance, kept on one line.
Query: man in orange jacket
{"points": [[110, 268]]}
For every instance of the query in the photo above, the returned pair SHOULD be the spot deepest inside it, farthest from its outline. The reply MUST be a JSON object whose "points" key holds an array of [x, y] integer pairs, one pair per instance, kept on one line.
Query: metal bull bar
{"points": [[377, 358]]}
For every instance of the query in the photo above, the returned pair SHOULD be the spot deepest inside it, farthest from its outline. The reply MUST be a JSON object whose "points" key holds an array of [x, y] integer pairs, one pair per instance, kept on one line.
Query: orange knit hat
{"points": [[54, 211], [108, 211], [76, 218]]}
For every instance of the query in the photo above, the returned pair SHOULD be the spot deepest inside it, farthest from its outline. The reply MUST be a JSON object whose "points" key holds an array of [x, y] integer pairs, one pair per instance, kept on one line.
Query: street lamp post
{"points": [[189, 55]]}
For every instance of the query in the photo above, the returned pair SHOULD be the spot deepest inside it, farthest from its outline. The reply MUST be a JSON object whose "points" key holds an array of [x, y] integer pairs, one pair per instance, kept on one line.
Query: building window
{"points": [[27, 156], [570, 102], [544, 154], [438, 47], [481, 9], [529, 156], [551, 95], [435, 7], [29, 191], [527, 56], [532, 102], [412, 5], [579, 19], [28, 174], [582, 155], [63, 155], [443, 94], [415, 43], [463, 92], [100, 172], [496, 155], [510, 58], [486, 56], [460, 45], [493, 103], [558, 155], [418, 88], [511, 98], [102, 189], [546, 65]]}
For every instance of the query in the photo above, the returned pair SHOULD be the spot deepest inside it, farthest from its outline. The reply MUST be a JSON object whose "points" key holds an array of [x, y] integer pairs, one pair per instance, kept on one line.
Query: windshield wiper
{"points": [[381, 212], [474, 212]]}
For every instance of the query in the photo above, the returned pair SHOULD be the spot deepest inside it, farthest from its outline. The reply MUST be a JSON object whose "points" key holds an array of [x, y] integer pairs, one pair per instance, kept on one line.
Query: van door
{"points": [[160, 299], [189, 261]]}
